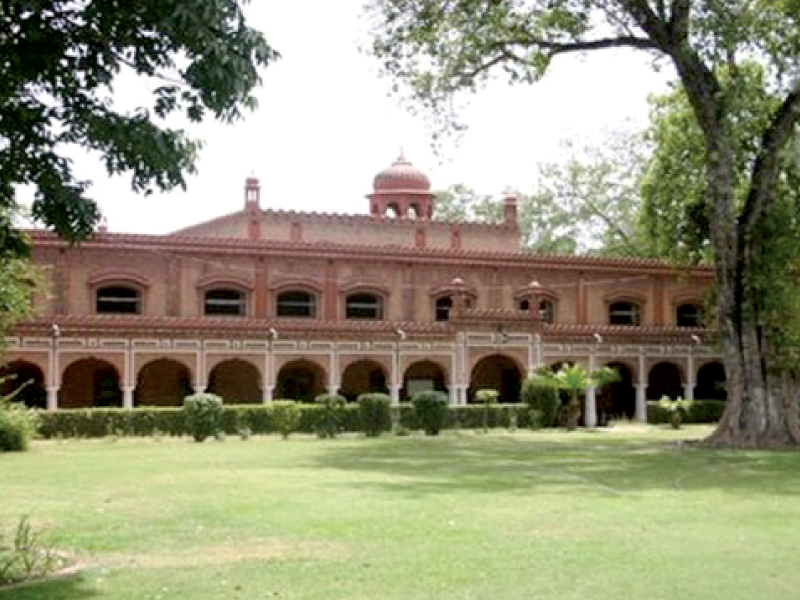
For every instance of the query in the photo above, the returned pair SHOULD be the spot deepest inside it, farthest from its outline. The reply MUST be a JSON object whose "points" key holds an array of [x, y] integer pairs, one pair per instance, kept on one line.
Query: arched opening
{"points": [[22, 374], [297, 304], [363, 377], [236, 381], [689, 315], [444, 305], [162, 382], [624, 313], [547, 311], [301, 380], [364, 305], [496, 372], [90, 382], [618, 399], [224, 302], [422, 376], [118, 299], [664, 380], [711, 382]]}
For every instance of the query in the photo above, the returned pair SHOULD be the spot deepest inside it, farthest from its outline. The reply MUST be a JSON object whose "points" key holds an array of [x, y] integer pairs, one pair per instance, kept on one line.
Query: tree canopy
{"points": [[59, 61], [439, 49]]}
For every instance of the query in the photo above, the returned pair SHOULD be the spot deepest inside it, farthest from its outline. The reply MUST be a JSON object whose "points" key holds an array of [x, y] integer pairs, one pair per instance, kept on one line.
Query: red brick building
{"points": [[263, 304]]}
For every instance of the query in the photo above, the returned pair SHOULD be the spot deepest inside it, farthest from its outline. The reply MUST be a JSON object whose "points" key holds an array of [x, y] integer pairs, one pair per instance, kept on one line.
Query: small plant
{"points": [[542, 399], [487, 398], [24, 556], [430, 408], [18, 423], [676, 409], [285, 417], [376, 413], [331, 406], [203, 413]]}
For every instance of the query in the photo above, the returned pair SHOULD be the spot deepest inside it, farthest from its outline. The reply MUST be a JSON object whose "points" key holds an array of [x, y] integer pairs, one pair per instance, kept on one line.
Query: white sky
{"points": [[325, 126]]}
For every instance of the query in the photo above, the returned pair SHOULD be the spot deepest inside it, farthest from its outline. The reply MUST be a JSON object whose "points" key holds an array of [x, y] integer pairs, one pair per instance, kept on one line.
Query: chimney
{"points": [[510, 210], [252, 193]]}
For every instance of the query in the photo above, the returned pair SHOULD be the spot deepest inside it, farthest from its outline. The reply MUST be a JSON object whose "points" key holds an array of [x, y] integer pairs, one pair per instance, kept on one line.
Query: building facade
{"points": [[263, 304]]}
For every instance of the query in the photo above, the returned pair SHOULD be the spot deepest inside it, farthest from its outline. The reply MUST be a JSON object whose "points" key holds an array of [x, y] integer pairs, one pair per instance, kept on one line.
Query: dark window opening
{"points": [[547, 311], [118, 300], [443, 307], [225, 302], [296, 304], [624, 313], [364, 306], [689, 315]]}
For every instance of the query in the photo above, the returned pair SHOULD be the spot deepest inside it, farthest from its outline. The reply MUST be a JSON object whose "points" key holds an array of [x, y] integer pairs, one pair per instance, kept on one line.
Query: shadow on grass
{"points": [[72, 588], [585, 464]]}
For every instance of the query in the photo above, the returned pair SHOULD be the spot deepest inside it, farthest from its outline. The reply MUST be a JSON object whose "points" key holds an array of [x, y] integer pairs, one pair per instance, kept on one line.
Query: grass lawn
{"points": [[613, 514]]}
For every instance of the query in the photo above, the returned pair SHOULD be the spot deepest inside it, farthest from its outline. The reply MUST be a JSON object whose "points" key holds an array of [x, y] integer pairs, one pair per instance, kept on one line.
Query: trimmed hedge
{"points": [[701, 411], [256, 419]]}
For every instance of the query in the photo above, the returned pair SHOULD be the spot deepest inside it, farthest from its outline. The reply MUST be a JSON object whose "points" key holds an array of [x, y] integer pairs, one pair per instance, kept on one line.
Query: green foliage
{"points": [[62, 59], [285, 417], [375, 411], [542, 399], [25, 556], [20, 279], [203, 413], [700, 411], [675, 408], [331, 408], [574, 379], [430, 410], [18, 423], [487, 397]]}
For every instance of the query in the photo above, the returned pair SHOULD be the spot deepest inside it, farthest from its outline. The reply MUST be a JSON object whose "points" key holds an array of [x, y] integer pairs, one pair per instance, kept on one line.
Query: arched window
{"points": [[443, 307], [525, 305], [624, 313], [297, 303], [547, 311], [364, 306], [118, 300], [224, 301], [689, 315]]}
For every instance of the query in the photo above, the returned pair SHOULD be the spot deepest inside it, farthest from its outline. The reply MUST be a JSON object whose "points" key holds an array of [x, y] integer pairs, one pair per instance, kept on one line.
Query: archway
{"points": [[301, 380], [30, 377], [617, 399], [236, 381], [664, 380], [162, 382], [423, 375], [362, 377], [711, 382], [497, 372], [90, 382]]}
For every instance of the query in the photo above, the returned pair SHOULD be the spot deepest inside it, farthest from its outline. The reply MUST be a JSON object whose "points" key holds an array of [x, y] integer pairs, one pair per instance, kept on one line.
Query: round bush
{"points": [[430, 409], [203, 415], [376, 413]]}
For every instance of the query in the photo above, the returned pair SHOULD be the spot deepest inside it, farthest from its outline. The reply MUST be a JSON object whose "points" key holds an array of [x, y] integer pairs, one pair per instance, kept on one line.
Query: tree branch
{"points": [[767, 164], [600, 44]]}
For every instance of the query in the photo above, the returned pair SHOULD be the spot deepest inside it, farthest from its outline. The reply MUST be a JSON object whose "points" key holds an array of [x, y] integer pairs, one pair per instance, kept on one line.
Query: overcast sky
{"points": [[325, 126]]}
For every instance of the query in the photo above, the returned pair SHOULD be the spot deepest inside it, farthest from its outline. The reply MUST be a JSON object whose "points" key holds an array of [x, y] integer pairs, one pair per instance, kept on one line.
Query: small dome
{"points": [[401, 176]]}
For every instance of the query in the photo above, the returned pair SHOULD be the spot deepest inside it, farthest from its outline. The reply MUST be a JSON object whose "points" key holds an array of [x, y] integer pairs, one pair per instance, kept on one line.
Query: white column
{"points": [[453, 395], [266, 394], [52, 398], [199, 388], [688, 391], [333, 390], [127, 396], [394, 392], [641, 402], [464, 393], [590, 408]]}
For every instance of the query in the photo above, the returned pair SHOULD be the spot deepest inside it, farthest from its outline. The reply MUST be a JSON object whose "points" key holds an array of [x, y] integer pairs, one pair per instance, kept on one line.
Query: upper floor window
{"points": [[689, 315], [364, 306], [119, 300], [547, 311], [443, 307], [624, 313], [224, 302], [296, 303]]}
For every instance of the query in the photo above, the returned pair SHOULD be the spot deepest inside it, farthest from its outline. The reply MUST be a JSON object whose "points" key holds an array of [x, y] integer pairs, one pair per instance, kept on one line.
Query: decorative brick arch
{"points": [[213, 360], [90, 382], [418, 371], [28, 376], [301, 379], [618, 399], [362, 376], [163, 382], [115, 359], [236, 380], [665, 379], [500, 372]]}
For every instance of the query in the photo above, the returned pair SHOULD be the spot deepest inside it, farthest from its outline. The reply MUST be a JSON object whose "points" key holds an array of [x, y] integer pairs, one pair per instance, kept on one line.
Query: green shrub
{"points": [[25, 556], [701, 411], [486, 398], [203, 413], [542, 399], [331, 418], [285, 416], [18, 425], [375, 411], [431, 411]]}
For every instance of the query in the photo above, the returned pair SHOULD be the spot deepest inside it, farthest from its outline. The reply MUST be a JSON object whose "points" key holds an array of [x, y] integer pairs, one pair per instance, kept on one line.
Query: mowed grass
{"points": [[614, 514]]}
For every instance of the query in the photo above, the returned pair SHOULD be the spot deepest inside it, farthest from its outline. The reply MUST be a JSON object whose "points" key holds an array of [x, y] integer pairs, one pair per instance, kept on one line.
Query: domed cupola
{"points": [[403, 190]]}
